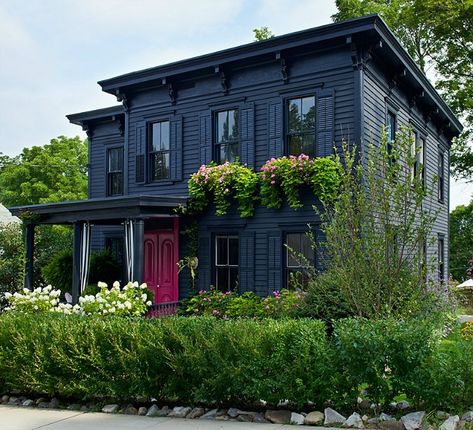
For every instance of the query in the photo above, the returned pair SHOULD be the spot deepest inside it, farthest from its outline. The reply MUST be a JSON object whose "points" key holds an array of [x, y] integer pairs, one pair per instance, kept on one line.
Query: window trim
{"points": [[215, 145], [108, 172], [215, 265], [149, 151], [286, 100]]}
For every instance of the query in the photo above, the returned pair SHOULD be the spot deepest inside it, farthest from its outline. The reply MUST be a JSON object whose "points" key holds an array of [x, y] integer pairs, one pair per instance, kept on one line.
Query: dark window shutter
{"points": [[204, 255], [140, 143], [320, 250], [247, 134], [275, 129], [247, 261], [275, 262], [205, 121], [176, 148], [325, 123]]}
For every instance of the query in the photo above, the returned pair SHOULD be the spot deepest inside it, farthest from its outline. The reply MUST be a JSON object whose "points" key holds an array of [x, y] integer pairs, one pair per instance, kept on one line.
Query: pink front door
{"points": [[161, 256]]}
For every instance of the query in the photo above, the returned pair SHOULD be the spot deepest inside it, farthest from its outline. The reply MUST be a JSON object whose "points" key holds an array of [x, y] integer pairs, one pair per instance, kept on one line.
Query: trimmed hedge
{"points": [[202, 360]]}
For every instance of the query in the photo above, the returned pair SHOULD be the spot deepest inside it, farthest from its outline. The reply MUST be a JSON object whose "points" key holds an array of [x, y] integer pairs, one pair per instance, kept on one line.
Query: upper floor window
{"points": [[300, 130], [441, 180], [418, 150], [299, 256], [159, 151], [226, 262], [115, 171], [227, 145], [391, 130]]}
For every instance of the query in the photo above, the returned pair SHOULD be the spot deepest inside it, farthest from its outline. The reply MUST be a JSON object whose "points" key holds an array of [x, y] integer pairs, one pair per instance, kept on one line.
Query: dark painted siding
{"points": [[377, 99]]}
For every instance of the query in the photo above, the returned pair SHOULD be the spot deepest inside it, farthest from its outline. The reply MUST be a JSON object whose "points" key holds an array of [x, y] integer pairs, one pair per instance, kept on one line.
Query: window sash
{"points": [[159, 151], [115, 171], [226, 138], [226, 271], [302, 246], [300, 128], [441, 185], [164, 171]]}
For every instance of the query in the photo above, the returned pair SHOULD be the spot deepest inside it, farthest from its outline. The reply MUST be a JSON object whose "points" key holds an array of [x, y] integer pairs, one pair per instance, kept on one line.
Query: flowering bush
{"points": [[286, 175], [467, 331], [230, 305], [131, 300], [38, 300], [222, 183]]}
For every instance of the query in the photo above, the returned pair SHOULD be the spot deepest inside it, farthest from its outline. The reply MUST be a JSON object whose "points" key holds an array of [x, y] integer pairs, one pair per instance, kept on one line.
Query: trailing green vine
{"points": [[221, 184], [286, 175]]}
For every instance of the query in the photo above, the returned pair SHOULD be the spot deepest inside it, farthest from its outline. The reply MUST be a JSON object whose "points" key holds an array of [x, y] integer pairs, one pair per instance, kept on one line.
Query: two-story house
{"points": [[252, 102]]}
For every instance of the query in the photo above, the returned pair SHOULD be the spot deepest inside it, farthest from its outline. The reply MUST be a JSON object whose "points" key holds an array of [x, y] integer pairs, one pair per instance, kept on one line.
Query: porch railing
{"points": [[159, 310]]}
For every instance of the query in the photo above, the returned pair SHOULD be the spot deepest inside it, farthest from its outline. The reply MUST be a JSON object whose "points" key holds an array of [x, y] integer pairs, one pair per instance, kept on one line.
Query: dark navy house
{"points": [[353, 76]]}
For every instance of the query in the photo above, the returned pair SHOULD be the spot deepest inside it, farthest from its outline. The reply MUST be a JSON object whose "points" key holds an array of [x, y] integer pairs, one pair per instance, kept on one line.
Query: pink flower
{"points": [[215, 312], [273, 182]]}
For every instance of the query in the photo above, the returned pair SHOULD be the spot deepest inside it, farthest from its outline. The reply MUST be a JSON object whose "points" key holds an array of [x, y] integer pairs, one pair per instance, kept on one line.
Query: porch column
{"points": [[76, 262], [29, 266], [138, 250]]}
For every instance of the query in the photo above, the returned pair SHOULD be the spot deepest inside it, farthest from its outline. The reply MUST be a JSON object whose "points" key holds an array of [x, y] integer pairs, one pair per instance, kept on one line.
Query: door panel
{"points": [[161, 256]]}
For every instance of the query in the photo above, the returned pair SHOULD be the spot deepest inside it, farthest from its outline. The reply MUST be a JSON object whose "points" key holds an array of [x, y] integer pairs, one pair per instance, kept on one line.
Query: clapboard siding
{"points": [[377, 99]]}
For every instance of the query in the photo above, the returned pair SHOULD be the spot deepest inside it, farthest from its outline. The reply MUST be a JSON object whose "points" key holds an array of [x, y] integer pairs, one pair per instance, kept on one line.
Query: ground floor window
{"points": [[115, 245], [299, 256], [226, 262], [441, 258]]}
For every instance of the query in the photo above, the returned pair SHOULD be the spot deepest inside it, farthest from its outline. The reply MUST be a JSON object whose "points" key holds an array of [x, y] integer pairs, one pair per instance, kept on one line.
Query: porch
{"points": [[150, 231]]}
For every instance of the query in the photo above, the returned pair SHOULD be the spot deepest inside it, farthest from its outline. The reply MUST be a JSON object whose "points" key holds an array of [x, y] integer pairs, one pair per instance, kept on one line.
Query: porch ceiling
{"points": [[110, 210]]}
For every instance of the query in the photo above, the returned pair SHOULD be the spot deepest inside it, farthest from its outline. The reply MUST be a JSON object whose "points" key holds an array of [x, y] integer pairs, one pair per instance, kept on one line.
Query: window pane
{"points": [[229, 152], [295, 145], [308, 144], [164, 145], [160, 165], [294, 115], [391, 127], [293, 241], [308, 113], [156, 137], [233, 251], [115, 184], [115, 160], [222, 250], [221, 278], [233, 281], [233, 125], [306, 248], [222, 127]]}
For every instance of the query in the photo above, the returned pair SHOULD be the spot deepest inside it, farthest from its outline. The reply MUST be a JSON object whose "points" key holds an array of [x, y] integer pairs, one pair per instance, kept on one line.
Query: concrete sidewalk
{"points": [[20, 418]]}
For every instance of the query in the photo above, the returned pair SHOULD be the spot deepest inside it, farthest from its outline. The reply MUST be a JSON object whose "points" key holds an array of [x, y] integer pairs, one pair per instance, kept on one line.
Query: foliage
{"points": [[437, 34], [286, 175], [375, 235], [51, 173], [229, 304], [11, 257], [467, 331], [461, 241], [103, 267], [386, 356], [221, 183], [39, 300], [262, 33], [190, 260]]}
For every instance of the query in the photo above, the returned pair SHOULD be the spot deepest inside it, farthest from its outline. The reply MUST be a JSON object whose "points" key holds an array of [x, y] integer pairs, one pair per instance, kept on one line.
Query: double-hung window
{"points": [[418, 150], [441, 173], [391, 131], [115, 171], [227, 145], [300, 129], [299, 256], [159, 151], [226, 262], [441, 259]]}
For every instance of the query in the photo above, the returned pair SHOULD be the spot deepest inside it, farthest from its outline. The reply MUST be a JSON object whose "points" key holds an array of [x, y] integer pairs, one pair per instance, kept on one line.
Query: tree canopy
{"points": [[262, 33], [42, 174], [461, 241], [438, 34]]}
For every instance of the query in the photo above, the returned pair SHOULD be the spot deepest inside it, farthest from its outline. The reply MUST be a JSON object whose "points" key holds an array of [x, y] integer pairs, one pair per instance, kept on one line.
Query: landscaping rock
{"points": [[74, 407], [354, 421], [245, 418], [130, 410], [110, 409], [5, 398], [365, 418], [332, 417], [468, 416], [40, 400], [196, 413], [210, 415], [373, 421], [54, 403], [413, 420], [461, 425], [462, 319], [179, 412], [314, 418], [222, 417], [391, 425], [153, 411], [450, 423], [297, 419], [142, 411], [403, 404], [28, 403], [84, 408], [233, 412], [386, 417], [13, 400], [259, 418], [43, 405], [278, 417], [441, 415]]}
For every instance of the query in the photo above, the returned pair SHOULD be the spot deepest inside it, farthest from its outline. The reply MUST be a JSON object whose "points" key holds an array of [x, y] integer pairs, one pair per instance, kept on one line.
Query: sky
{"points": [[53, 52]]}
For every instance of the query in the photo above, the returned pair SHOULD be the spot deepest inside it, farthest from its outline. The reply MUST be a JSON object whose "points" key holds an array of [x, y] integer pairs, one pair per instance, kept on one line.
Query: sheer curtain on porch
{"points": [[84, 256], [129, 253]]}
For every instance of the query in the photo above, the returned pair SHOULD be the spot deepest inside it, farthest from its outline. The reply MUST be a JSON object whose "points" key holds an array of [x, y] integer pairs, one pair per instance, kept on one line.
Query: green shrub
{"points": [[11, 258], [104, 268], [185, 359]]}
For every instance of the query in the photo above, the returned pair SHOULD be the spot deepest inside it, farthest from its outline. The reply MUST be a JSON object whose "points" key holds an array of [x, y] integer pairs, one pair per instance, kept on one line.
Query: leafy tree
{"points": [[438, 34], [461, 241], [51, 173], [262, 33]]}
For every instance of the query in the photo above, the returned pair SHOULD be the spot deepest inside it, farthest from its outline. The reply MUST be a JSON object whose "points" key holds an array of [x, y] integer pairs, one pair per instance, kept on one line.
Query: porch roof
{"points": [[110, 210]]}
